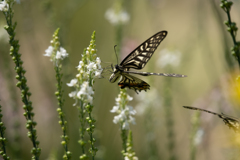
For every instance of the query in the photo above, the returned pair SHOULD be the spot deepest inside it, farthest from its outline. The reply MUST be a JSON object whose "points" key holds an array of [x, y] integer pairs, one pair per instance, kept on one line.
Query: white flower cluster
{"points": [[85, 93], [198, 137], [93, 69], [167, 57], [133, 158], [4, 6], [59, 55], [124, 111], [115, 18], [88, 70]]}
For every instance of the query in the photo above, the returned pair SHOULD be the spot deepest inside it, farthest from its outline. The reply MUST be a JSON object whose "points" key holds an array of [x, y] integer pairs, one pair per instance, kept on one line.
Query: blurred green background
{"points": [[195, 29]]}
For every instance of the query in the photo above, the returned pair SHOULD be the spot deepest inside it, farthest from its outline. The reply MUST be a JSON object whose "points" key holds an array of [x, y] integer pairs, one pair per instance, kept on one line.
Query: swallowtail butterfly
{"points": [[231, 122], [137, 59]]}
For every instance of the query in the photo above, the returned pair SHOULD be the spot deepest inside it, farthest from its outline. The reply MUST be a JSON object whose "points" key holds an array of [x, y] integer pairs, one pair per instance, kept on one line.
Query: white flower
{"points": [[126, 158], [131, 110], [61, 54], [64, 53], [118, 100], [80, 65], [115, 18], [98, 61], [86, 91], [89, 99], [115, 109], [129, 98], [72, 94], [72, 83], [198, 137], [90, 66], [116, 119], [98, 73], [123, 115], [169, 58], [125, 125], [58, 55], [4, 6], [49, 51], [132, 120]]}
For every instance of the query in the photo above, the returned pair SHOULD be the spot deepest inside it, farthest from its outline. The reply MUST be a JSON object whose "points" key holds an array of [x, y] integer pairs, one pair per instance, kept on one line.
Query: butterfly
{"points": [[137, 59], [231, 122]]}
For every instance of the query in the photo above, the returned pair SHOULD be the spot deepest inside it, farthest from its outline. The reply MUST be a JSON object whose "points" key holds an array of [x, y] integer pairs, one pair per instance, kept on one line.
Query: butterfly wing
{"points": [[231, 122], [132, 82], [138, 58]]}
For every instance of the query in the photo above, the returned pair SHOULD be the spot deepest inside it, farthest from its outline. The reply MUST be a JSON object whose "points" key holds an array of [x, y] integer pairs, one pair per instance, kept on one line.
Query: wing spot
{"points": [[149, 54], [136, 52], [146, 44], [136, 63]]}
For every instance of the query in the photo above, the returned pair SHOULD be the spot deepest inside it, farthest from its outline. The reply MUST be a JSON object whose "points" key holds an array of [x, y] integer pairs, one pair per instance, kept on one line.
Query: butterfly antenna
{"points": [[116, 52]]}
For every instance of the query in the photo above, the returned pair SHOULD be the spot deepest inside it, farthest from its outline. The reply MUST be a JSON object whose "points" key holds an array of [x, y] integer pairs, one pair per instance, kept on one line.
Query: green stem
{"points": [[82, 123], [233, 36], [124, 139], [21, 84], [59, 95], [226, 5], [3, 139], [169, 119], [195, 126]]}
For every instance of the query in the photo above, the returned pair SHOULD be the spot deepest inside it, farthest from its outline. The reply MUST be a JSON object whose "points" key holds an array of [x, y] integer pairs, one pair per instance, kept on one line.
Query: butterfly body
{"points": [[137, 59]]}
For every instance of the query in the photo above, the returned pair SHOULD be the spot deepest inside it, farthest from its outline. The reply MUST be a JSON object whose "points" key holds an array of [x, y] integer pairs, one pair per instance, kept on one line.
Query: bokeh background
{"points": [[200, 47]]}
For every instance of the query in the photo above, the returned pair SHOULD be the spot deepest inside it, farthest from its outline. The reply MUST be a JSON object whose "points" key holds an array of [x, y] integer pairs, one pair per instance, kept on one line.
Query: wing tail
{"points": [[157, 74]]}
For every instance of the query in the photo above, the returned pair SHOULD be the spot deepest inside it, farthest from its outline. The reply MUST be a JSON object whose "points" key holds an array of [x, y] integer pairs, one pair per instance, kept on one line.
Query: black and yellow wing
{"points": [[138, 58], [132, 82]]}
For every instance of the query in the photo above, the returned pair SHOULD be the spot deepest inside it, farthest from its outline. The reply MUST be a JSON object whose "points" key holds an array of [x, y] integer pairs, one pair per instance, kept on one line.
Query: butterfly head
{"points": [[116, 73]]}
